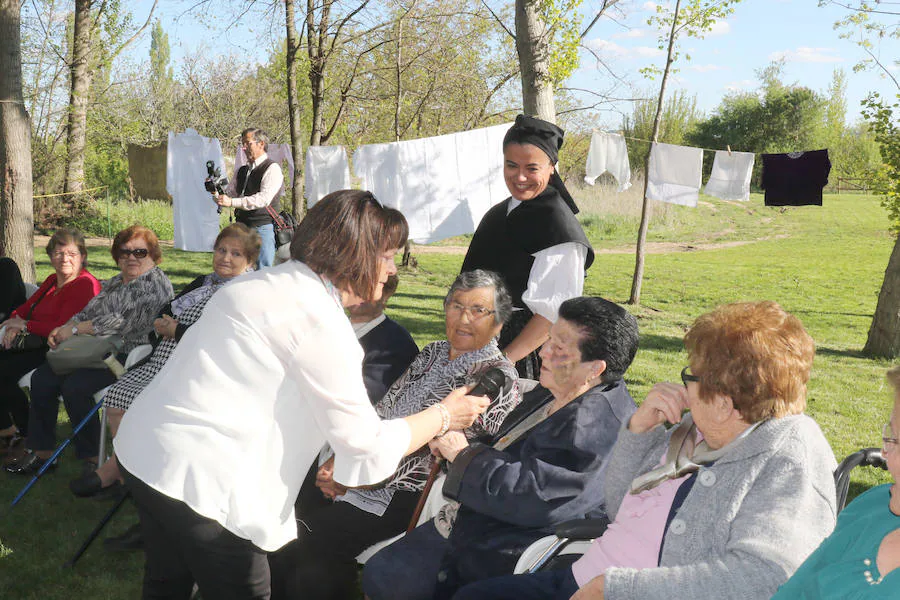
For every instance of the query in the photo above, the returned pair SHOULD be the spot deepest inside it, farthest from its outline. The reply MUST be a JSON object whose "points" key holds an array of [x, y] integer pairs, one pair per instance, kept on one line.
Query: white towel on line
{"points": [[327, 170], [675, 174], [608, 153], [730, 177]]}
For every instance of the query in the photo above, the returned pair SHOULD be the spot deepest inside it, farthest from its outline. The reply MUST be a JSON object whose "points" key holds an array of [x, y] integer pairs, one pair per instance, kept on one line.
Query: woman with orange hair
{"points": [[729, 501]]}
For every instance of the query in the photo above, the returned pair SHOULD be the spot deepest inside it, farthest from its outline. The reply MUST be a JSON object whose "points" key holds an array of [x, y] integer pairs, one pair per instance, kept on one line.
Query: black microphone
{"points": [[490, 384]]}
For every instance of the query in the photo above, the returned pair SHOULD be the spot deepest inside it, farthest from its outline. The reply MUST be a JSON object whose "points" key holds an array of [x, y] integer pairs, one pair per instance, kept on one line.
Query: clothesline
{"points": [[728, 149]]}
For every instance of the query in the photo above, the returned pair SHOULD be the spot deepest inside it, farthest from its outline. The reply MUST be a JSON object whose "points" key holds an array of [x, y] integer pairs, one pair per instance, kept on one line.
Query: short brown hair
{"points": [[135, 231], [343, 235], [757, 354], [246, 236], [65, 236]]}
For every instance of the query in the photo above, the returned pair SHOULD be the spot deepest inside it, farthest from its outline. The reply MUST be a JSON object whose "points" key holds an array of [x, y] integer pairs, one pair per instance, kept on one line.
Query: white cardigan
{"points": [[231, 424]]}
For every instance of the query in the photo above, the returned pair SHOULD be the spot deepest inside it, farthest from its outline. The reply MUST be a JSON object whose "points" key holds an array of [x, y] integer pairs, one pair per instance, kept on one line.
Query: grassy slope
{"points": [[824, 264]]}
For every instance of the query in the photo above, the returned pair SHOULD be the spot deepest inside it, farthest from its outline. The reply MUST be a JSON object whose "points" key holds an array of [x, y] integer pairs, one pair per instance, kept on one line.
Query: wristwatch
{"points": [[74, 329]]}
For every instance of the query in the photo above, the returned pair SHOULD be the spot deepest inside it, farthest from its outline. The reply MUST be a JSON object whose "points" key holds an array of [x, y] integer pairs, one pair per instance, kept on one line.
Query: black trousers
{"points": [[321, 563], [77, 390], [182, 547], [13, 401]]}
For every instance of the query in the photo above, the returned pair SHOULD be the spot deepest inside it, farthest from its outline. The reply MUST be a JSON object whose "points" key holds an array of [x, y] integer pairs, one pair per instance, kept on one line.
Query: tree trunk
{"points": [[315, 47], [80, 85], [533, 48], [884, 334], [16, 212], [293, 47], [638, 278]]}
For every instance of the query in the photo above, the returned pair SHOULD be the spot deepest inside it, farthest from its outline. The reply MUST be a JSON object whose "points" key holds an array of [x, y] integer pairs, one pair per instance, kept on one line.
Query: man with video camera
{"points": [[254, 189]]}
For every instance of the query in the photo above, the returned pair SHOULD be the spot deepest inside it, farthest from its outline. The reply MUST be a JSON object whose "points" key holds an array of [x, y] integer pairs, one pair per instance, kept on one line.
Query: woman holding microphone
{"points": [[216, 447]]}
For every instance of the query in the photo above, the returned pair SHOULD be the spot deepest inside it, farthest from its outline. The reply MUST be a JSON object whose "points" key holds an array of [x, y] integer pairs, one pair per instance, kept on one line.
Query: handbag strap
{"points": [[36, 302], [276, 217]]}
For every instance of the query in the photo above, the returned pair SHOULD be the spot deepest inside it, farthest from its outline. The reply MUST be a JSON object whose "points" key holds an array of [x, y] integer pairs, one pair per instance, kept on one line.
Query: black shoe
{"points": [[128, 541], [29, 464], [87, 485]]}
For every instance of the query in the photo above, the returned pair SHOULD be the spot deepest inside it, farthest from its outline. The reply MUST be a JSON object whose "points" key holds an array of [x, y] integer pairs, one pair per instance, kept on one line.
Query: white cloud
{"points": [[631, 33], [805, 54], [737, 86], [707, 68], [649, 6], [613, 50], [720, 28]]}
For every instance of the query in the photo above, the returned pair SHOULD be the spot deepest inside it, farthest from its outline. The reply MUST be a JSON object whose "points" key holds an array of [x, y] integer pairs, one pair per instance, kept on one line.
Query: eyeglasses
{"points": [[59, 255], [687, 377], [476, 313], [137, 253], [889, 442], [249, 143]]}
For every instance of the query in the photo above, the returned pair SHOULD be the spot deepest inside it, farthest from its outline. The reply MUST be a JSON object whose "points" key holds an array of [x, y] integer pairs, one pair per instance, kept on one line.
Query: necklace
{"points": [[868, 574]]}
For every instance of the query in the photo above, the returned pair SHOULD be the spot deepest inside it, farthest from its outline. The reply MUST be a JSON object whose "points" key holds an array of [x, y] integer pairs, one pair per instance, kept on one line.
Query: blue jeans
{"points": [[267, 250], [558, 584]]}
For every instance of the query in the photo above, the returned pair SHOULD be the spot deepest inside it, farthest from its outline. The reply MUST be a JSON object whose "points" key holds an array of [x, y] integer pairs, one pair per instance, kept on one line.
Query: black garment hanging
{"points": [[795, 178]]}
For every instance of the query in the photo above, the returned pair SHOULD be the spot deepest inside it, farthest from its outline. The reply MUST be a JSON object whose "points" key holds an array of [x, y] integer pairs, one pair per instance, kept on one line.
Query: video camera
{"points": [[214, 183]]}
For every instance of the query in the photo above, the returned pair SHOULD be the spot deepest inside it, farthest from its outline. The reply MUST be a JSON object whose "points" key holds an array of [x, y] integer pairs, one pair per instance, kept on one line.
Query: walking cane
{"points": [[56, 454], [96, 532], [118, 370], [435, 469]]}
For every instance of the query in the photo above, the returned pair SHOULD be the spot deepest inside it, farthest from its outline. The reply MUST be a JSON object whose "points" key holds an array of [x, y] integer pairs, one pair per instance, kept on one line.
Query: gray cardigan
{"points": [[746, 525]]}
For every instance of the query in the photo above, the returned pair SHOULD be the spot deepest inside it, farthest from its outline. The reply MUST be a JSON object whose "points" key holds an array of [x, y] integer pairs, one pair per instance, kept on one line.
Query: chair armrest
{"points": [[582, 529]]}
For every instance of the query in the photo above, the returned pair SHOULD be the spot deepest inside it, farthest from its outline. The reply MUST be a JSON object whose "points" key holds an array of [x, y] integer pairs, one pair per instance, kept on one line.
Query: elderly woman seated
{"points": [[728, 503], [860, 559], [544, 466], [235, 252], [322, 561]]}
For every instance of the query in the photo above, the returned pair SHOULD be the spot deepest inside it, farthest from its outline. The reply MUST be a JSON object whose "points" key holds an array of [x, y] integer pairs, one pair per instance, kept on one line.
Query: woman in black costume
{"points": [[533, 240]]}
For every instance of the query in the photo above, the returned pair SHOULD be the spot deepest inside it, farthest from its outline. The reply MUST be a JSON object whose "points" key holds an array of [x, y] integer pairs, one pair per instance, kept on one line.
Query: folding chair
{"points": [[574, 537]]}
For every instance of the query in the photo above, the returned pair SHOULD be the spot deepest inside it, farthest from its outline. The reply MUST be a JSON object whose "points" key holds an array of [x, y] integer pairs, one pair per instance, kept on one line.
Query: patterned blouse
{"points": [[429, 379], [128, 309]]}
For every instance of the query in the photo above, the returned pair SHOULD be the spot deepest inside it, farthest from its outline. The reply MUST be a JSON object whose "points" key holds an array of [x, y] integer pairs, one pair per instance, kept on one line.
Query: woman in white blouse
{"points": [[215, 448]]}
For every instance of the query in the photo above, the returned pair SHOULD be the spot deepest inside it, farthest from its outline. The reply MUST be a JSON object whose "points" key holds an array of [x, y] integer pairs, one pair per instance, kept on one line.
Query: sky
{"points": [[725, 61]]}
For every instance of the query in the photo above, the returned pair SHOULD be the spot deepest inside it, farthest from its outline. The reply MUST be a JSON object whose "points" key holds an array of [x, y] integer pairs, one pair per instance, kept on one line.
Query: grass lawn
{"points": [[823, 264]]}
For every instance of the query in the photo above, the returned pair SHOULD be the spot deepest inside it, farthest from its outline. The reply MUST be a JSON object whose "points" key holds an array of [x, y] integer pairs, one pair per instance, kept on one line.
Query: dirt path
{"points": [[651, 248], [40, 241]]}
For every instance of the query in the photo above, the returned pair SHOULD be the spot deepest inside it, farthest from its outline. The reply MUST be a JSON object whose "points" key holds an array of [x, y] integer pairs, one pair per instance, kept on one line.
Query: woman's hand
{"points": [[9, 334], [665, 402], [60, 334], [17, 322], [165, 326], [448, 445], [326, 483], [592, 590], [464, 409]]}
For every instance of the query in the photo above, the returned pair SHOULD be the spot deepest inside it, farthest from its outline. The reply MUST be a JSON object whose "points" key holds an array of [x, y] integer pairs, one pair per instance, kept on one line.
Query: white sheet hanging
{"points": [[327, 170], [674, 174], [443, 185], [730, 177], [279, 153], [193, 210], [608, 153]]}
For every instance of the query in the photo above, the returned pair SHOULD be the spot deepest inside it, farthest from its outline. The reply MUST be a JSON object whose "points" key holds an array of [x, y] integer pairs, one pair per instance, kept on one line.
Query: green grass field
{"points": [[823, 264]]}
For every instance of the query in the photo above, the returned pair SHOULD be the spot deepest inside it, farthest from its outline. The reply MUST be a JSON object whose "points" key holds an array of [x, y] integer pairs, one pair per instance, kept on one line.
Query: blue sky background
{"points": [[724, 61]]}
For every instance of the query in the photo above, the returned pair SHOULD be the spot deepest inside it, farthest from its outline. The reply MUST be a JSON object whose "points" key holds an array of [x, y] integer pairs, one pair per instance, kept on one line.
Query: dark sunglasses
{"points": [[137, 252]]}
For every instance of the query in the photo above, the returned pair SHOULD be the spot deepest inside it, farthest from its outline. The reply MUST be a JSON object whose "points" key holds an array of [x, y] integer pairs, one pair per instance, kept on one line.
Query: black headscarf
{"points": [[549, 138]]}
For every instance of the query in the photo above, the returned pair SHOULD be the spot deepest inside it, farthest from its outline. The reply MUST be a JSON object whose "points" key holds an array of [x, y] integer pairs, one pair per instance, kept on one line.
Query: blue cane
{"points": [[59, 450]]}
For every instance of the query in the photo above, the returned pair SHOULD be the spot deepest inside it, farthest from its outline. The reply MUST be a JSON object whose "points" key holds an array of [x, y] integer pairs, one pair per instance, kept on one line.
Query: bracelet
{"points": [[445, 419]]}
